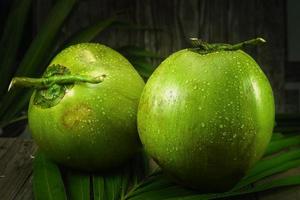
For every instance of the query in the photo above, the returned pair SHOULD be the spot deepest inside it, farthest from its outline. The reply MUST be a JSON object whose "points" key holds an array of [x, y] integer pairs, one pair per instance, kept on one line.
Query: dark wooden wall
{"points": [[172, 22]]}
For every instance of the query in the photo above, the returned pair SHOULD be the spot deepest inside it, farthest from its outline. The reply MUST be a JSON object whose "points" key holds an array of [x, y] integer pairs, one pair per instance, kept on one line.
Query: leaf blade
{"points": [[266, 164], [47, 180], [77, 185], [33, 62], [277, 169], [98, 187], [11, 39], [280, 144]]}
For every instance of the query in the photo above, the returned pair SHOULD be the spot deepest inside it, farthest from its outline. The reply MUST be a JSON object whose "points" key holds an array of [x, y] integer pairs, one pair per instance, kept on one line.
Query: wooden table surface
{"points": [[16, 156]]}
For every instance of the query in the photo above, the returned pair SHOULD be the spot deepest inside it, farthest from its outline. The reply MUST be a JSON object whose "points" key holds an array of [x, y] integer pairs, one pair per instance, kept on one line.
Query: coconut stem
{"points": [[252, 42], [203, 47], [47, 82]]}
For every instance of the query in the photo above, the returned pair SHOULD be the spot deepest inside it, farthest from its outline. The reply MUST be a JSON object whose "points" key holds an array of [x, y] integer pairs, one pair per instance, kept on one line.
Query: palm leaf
{"points": [[143, 66], [11, 39], [98, 187], [33, 62], [139, 58], [135, 181], [276, 169], [47, 181], [269, 163], [115, 185], [77, 185], [278, 145], [287, 181], [158, 187], [277, 136]]}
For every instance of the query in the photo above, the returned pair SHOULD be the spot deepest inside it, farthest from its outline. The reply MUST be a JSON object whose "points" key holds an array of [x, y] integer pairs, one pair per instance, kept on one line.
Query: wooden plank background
{"points": [[16, 157], [172, 22]]}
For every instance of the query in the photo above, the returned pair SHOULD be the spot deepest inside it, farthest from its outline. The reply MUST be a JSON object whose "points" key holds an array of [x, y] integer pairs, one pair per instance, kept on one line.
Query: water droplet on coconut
{"points": [[202, 124]]}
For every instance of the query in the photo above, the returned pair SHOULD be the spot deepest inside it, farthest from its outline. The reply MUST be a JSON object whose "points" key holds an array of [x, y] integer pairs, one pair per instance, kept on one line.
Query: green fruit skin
{"points": [[206, 119], [94, 126]]}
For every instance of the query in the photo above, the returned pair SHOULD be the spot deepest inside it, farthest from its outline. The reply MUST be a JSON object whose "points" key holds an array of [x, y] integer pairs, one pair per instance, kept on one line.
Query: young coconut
{"points": [[206, 115], [82, 112]]}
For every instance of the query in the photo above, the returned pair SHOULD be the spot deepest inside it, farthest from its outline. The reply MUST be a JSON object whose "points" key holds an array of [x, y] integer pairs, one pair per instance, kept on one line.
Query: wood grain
{"points": [[16, 168], [289, 193], [168, 24]]}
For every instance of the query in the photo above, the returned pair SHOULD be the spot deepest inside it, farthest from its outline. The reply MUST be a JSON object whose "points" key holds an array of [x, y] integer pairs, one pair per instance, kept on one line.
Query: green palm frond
{"points": [[136, 181], [36, 58], [140, 59], [47, 180], [10, 41]]}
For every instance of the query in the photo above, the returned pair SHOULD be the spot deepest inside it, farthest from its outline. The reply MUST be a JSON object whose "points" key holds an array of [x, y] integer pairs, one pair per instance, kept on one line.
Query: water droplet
{"points": [[234, 136], [199, 108], [195, 87], [221, 126], [242, 126], [202, 124]]}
